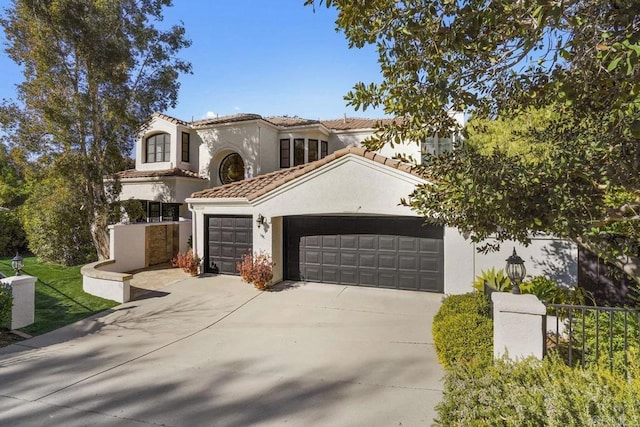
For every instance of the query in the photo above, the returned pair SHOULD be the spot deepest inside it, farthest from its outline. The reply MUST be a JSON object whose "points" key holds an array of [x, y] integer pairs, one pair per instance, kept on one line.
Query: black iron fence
{"points": [[588, 335]]}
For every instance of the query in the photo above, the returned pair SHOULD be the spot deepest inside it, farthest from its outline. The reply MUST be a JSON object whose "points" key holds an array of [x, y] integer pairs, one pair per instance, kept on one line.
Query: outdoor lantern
{"points": [[17, 263], [260, 220], [516, 271]]}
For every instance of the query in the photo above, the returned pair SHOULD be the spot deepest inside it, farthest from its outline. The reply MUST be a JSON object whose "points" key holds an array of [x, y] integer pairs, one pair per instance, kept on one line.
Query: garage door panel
{"points": [[408, 281], [311, 256], [387, 280], [368, 243], [389, 252], [349, 242], [348, 276], [367, 278], [349, 259], [228, 239], [331, 258], [387, 261], [428, 265], [430, 246], [407, 262], [331, 242], [408, 244], [313, 274], [368, 260], [387, 243]]}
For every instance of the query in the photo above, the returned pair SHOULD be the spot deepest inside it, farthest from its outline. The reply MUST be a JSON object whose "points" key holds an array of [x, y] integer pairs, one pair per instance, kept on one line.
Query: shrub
{"points": [[497, 279], [6, 302], [463, 330], [256, 269], [547, 290], [188, 262], [538, 393], [603, 339]]}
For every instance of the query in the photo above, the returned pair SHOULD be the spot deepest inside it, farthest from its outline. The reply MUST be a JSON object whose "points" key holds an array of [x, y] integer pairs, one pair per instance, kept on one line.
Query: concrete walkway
{"points": [[214, 351]]}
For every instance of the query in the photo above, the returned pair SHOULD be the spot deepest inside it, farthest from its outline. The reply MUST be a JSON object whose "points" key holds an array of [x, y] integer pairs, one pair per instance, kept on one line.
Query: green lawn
{"points": [[60, 299]]}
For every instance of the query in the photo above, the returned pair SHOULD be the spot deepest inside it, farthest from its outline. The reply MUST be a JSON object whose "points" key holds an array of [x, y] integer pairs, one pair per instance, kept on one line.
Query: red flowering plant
{"points": [[257, 269]]}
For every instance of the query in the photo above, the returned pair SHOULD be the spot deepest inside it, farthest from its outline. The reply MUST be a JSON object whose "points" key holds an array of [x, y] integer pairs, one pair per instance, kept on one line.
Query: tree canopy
{"points": [[576, 61], [94, 71]]}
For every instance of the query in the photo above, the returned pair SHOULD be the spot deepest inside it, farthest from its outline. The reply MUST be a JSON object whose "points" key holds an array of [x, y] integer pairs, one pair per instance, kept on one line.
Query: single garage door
{"points": [[385, 252], [228, 239]]}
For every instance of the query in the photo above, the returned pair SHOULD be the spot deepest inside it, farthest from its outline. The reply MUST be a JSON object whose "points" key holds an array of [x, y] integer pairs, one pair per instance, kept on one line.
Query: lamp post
{"points": [[17, 263], [515, 271]]}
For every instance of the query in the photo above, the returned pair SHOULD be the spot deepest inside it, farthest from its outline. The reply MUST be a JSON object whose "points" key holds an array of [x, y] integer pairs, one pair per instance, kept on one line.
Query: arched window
{"points": [[158, 148], [231, 168]]}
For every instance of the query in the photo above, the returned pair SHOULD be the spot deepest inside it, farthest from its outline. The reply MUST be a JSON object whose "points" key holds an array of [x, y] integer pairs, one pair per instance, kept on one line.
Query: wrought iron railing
{"points": [[588, 335]]}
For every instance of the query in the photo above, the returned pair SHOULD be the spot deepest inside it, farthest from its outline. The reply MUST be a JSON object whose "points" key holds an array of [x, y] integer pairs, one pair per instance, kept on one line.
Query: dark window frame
{"points": [[316, 151], [285, 152], [154, 141], [186, 145], [324, 149], [297, 141]]}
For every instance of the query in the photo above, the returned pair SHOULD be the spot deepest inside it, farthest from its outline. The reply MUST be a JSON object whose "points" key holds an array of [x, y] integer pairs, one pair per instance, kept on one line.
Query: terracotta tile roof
{"points": [[285, 121], [350, 123], [225, 119], [253, 188], [132, 173], [170, 119]]}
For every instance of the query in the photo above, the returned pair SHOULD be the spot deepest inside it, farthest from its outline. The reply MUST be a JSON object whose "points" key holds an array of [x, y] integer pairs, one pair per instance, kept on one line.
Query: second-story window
{"points": [[303, 151], [158, 148], [185, 147], [285, 153], [298, 151]]}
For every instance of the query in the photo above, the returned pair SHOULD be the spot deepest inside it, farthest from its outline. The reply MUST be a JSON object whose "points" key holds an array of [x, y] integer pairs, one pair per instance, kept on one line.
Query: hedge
{"points": [[463, 331], [538, 393]]}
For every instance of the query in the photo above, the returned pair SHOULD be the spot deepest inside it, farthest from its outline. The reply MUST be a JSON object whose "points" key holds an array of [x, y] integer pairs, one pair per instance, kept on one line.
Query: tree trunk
{"points": [[628, 264], [100, 236]]}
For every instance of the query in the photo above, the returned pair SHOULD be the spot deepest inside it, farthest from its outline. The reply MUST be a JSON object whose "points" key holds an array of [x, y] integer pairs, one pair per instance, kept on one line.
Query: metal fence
{"points": [[588, 335]]}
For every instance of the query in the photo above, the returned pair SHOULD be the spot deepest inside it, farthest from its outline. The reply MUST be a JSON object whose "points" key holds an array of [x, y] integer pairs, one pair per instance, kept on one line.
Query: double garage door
{"points": [[385, 252]]}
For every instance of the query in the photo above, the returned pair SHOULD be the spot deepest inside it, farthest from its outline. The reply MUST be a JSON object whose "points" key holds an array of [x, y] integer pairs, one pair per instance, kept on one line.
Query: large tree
{"points": [[498, 59], [94, 70]]}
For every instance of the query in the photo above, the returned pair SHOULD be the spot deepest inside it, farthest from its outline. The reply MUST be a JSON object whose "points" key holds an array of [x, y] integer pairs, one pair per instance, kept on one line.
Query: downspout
{"points": [[194, 233]]}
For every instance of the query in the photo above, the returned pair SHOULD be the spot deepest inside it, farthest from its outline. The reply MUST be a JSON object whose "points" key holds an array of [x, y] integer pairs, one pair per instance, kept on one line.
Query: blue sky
{"points": [[266, 57]]}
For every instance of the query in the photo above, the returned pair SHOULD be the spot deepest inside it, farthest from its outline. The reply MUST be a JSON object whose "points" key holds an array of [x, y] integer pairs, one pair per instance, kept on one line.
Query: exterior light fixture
{"points": [[17, 263], [516, 271], [260, 220]]}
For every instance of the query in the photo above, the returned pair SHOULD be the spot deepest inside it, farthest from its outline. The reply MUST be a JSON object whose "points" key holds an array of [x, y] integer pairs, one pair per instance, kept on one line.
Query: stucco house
{"points": [[306, 192]]}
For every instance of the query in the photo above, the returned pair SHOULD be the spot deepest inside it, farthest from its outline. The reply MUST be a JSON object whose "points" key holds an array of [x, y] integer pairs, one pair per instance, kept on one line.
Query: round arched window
{"points": [[231, 168]]}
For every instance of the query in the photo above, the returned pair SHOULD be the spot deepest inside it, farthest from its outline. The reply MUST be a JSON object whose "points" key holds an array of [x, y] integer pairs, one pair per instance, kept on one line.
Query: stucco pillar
{"points": [[517, 326], [23, 290]]}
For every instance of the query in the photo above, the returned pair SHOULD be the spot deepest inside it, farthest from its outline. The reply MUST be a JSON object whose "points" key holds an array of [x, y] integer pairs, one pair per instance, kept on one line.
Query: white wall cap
{"points": [[511, 303]]}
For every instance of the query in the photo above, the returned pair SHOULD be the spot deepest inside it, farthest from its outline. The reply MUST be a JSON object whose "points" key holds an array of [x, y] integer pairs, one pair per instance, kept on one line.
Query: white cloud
{"points": [[236, 108], [211, 114]]}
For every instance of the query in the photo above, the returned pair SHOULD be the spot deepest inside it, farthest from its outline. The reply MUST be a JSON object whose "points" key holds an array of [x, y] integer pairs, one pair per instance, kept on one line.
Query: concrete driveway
{"points": [[215, 352]]}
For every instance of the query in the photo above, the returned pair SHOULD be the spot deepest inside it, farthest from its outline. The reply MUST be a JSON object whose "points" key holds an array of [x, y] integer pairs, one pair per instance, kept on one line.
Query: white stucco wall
{"points": [[127, 247], [156, 126], [248, 139], [166, 189]]}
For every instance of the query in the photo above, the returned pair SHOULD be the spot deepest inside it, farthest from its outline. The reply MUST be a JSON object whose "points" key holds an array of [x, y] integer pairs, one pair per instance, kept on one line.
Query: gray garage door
{"points": [[228, 238], [385, 252]]}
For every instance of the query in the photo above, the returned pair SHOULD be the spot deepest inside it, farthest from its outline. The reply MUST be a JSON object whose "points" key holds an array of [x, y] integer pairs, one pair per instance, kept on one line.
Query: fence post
{"points": [[518, 326], [22, 290]]}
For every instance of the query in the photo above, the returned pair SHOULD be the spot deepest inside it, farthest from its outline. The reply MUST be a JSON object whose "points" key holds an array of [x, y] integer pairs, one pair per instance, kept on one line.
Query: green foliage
{"points": [[554, 89], [534, 393], [85, 95], [463, 331], [497, 279], [547, 290], [59, 298], [12, 238], [601, 340], [6, 302], [55, 223]]}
